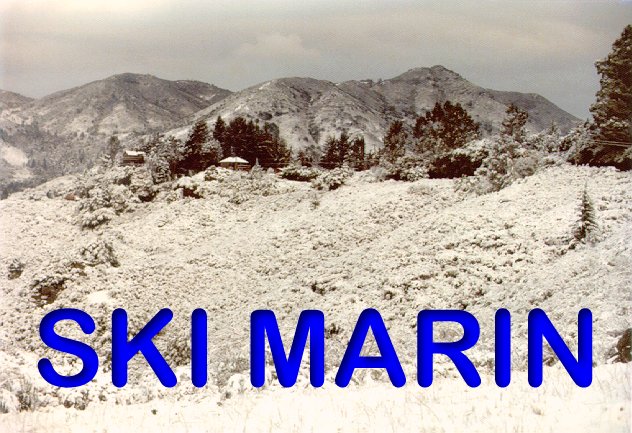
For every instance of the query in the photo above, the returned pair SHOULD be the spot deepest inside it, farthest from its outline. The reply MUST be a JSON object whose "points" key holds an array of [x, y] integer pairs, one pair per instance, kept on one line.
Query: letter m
{"points": [[310, 322]]}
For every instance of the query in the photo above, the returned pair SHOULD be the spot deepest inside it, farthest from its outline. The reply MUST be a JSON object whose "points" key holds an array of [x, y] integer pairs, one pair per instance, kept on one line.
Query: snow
{"points": [[13, 155], [270, 243], [450, 406]]}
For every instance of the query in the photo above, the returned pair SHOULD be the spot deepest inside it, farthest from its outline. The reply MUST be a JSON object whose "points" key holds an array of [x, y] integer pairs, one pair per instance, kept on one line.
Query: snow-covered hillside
{"points": [[399, 247]]}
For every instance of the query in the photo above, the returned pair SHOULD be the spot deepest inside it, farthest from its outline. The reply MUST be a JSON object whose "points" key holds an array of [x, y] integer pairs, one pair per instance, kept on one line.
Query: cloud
{"points": [[271, 50], [544, 47]]}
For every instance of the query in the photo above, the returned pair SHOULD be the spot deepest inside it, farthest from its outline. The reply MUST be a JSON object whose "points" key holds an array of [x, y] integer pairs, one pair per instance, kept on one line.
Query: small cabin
{"points": [[235, 163], [133, 157]]}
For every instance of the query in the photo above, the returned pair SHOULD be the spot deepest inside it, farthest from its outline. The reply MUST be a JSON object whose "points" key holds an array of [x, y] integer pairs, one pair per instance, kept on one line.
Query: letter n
{"points": [[579, 369]]}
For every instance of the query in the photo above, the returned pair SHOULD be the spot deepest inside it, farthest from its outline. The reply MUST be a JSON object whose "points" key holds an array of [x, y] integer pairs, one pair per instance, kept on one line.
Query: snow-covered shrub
{"points": [[460, 162], [377, 173], [407, 168], [105, 195], [15, 269], [17, 392], [142, 186], [96, 208], [189, 186], [99, 252], [507, 161], [299, 173], [332, 179], [256, 172]]}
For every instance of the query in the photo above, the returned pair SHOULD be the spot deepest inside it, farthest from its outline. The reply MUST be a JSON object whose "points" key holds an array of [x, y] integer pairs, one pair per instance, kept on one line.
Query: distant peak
{"points": [[422, 73], [129, 76]]}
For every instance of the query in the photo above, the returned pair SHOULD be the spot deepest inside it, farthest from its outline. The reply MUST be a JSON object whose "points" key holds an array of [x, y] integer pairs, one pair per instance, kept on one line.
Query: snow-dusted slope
{"points": [[397, 247], [309, 110]]}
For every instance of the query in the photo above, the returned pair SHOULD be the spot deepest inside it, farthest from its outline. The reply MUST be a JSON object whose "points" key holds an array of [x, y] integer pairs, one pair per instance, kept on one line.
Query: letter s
{"points": [[87, 355]]}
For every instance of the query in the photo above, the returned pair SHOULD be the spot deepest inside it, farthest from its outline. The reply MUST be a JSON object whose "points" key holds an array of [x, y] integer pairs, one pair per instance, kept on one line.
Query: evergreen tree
{"points": [[331, 154], [446, 127], [612, 110], [344, 150], [219, 134], [514, 123], [394, 142], [587, 226], [197, 152], [356, 155], [113, 147]]}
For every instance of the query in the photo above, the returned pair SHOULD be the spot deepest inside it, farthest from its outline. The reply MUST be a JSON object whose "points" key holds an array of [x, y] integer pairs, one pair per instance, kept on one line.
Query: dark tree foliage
{"points": [[514, 123], [246, 139], [394, 142], [198, 153], [218, 134], [587, 224], [452, 165], [446, 127], [612, 110], [344, 150]]}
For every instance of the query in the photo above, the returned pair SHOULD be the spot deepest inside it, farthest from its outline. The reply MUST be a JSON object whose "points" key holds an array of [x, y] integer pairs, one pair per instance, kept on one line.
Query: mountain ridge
{"points": [[65, 131]]}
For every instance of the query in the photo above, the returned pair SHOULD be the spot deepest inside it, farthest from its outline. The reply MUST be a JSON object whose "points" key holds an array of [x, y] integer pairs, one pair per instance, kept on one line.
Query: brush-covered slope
{"points": [[396, 247]]}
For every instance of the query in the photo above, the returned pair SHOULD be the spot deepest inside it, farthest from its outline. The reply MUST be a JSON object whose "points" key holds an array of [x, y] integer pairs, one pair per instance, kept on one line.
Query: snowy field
{"points": [[275, 244], [447, 406]]}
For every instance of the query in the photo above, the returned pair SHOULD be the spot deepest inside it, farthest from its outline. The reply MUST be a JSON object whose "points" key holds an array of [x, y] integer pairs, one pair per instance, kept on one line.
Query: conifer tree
{"points": [[612, 110], [219, 134], [394, 142], [446, 127], [587, 226]]}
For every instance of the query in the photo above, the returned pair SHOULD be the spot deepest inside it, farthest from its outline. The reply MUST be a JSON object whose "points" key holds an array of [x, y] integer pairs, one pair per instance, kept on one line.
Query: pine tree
{"points": [[514, 123], [331, 154], [612, 110], [219, 134], [394, 142], [446, 127], [195, 153], [587, 226]]}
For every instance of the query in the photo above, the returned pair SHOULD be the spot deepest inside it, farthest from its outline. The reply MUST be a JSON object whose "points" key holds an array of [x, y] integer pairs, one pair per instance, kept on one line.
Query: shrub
{"points": [[452, 165], [15, 269], [332, 179], [99, 252], [408, 169], [46, 289], [507, 161], [299, 173]]}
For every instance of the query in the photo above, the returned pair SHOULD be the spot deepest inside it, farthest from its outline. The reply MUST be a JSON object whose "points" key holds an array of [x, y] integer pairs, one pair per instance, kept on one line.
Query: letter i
{"points": [[503, 348], [199, 349]]}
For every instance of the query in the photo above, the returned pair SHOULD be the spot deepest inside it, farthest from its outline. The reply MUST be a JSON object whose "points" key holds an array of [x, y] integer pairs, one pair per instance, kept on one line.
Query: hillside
{"points": [[309, 110], [268, 243], [65, 132]]}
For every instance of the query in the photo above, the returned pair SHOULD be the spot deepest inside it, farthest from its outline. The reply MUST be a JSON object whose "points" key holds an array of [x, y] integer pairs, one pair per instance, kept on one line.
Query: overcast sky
{"points": [[547, 47]]}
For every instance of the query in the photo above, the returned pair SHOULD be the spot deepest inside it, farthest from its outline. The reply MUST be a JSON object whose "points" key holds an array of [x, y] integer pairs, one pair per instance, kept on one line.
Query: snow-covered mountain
{"points": [[309, 110], [120, 104], [65, 132]]}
